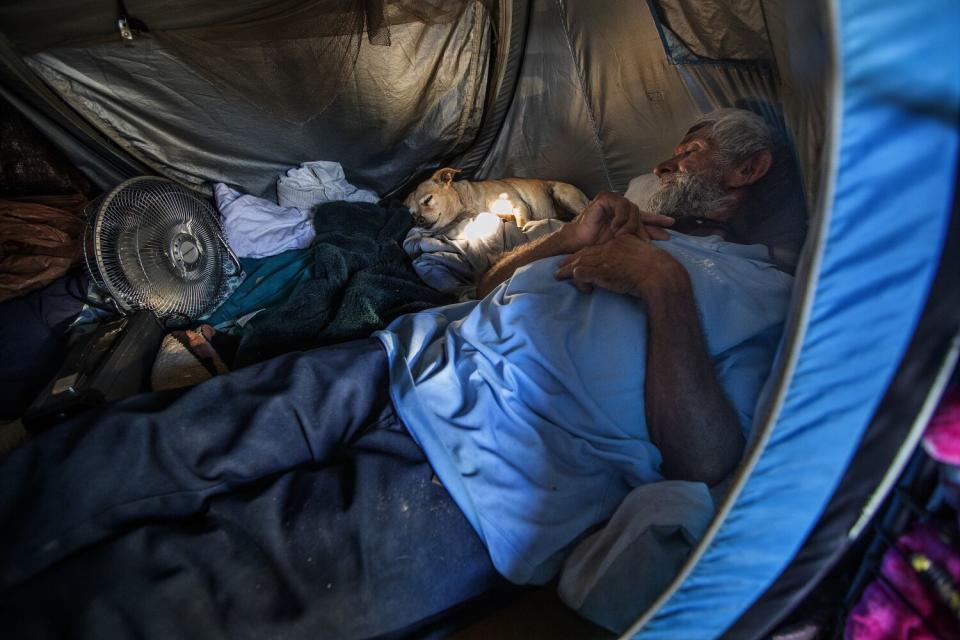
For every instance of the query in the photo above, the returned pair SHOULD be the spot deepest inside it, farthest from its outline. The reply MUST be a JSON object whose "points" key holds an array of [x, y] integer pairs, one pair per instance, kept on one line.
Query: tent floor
{"points": [[532, 615]]}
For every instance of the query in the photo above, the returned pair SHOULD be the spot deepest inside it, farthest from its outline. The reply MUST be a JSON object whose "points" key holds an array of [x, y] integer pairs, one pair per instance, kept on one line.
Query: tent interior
{"points": [[593, 94]]}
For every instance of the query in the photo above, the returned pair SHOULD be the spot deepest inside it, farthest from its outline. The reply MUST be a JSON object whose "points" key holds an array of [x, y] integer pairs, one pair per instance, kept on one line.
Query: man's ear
{"points": [[750, 170]]}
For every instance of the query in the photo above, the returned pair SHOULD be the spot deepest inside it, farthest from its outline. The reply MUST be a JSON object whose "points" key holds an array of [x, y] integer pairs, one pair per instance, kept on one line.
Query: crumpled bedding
{"points": [[359, 280], [267, 282], [451, 261], [318, 182], [258, 228]]}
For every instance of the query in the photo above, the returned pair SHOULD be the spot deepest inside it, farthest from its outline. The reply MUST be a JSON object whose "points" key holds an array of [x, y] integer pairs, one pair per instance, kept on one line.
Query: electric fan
{"points": [[158, 254], [154, 245]]}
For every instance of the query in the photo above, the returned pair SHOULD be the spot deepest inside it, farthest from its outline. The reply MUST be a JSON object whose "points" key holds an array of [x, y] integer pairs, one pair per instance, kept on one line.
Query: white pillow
{"points": [[641, 188]]}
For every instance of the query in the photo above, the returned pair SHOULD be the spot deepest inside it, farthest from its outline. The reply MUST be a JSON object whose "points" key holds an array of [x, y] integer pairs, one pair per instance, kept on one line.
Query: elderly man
{"points": [[249, 505], [705, 187], [540, 407]]}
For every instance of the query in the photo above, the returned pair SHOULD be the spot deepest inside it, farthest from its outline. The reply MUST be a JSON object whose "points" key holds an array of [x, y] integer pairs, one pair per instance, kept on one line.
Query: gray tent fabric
{"points": [[721, 30], [102, 162], [229, 103], [586, 107], [804, 56], [413, 92], [599, 111]]}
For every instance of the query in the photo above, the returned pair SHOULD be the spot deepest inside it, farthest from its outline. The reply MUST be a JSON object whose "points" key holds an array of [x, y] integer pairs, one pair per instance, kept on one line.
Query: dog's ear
{"points": [[445, 176]]}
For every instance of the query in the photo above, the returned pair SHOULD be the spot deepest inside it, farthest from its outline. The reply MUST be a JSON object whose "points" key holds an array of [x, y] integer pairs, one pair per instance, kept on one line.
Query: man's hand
{"points": [[626, 264], [608, 216], [689, 417]]}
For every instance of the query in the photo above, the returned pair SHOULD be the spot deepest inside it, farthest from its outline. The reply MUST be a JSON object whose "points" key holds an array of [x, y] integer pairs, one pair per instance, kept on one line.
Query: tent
{"points": [[593, 94]]}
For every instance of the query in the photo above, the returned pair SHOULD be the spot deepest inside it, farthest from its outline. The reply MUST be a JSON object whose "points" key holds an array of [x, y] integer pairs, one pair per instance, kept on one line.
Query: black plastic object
{"points": [[110, 363]]}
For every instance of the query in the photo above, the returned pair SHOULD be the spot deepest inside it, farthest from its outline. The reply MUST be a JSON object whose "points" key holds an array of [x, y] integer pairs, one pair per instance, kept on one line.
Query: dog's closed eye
{"points": [[426, 200]]}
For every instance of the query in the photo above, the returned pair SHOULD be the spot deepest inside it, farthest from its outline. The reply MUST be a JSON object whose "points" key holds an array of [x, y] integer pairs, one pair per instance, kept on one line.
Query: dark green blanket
{"points": [[361, 280]]}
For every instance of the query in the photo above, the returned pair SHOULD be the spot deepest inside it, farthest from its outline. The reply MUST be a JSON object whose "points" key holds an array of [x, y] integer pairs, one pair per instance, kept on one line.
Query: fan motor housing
{"points": [[186, 251]]}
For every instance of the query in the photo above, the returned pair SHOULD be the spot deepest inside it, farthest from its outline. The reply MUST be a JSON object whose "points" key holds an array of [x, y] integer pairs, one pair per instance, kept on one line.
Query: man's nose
{"points": [[665, 167]]}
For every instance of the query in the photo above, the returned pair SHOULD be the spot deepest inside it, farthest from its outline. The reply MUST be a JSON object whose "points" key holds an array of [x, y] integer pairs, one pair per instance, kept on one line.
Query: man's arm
{"points": [[689, 417], [688, 414], [607, 216], [555, 244]]}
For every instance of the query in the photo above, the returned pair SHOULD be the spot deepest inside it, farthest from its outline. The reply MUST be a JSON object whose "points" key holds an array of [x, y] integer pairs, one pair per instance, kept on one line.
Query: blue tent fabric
{"points": [[895, 157]]}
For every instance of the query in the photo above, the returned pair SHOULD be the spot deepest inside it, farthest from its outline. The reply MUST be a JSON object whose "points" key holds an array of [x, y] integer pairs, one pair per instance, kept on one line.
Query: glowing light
{"points": [[485, 224], [502, 206]]}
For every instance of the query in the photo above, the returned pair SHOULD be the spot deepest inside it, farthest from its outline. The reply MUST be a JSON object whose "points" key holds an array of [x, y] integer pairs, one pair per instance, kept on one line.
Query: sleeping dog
{"points": [[440, 201]]}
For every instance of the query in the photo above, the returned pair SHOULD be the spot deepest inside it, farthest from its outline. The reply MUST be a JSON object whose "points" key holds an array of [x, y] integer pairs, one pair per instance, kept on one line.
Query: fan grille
{"points": [[153, 244]]}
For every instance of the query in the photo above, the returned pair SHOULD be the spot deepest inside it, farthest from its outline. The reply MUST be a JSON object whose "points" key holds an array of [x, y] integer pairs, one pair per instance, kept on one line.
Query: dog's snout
{"points": [[421, 221]]}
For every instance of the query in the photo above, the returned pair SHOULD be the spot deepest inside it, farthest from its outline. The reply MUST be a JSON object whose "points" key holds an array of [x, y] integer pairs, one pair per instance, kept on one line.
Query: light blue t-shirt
{"points": [[529, 403]]}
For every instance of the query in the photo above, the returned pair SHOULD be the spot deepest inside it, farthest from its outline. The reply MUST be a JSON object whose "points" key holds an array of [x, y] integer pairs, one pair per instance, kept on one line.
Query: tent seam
{"points": [[584, 94]]}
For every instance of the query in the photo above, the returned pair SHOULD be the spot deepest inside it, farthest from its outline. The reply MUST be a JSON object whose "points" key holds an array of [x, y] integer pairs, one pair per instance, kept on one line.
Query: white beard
{"points": [[698, 195]]}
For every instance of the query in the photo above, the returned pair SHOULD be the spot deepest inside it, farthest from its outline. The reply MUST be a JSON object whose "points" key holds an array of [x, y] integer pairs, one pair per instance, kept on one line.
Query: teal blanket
{"points": [[266, 282]]}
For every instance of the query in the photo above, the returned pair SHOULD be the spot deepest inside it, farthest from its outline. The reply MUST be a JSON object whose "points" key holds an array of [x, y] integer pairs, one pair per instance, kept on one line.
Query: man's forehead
{"points": [[696, 132]]}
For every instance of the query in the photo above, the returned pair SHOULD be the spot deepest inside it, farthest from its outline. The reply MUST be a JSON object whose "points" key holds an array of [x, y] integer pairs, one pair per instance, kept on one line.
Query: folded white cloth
{"points": [[314, 183], [257, 228]]}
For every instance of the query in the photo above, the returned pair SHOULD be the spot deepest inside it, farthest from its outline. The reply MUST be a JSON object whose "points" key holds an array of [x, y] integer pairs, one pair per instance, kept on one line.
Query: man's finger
{"points": [[601, 210], [617, 218], [569, 271], [580, 258], [615, 225], [566, 268], [632, 225], [627, 212], [655, 219], [626, 218], [635, 229], [656, 233], [582, 278], [597, 277]]}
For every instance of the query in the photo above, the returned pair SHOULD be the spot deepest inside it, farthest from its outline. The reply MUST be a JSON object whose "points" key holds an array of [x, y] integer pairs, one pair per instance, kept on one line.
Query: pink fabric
{"points": [[881, 614], [942, 437]]}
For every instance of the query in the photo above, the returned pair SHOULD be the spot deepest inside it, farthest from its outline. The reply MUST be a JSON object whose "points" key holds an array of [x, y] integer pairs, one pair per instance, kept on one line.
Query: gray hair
{"points": [[774, 212], [737, 134]]}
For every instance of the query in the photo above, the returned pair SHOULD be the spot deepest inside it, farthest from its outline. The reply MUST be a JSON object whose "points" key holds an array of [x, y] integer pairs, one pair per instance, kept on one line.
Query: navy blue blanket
{"points": [[280, 500]]}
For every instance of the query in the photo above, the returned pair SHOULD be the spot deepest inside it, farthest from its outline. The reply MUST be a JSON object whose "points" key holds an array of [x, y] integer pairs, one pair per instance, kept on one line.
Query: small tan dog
{"points": [[439, 201]]}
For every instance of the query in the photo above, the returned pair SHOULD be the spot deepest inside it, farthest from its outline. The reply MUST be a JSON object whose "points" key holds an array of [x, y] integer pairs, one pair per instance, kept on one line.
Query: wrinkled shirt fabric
{"points": [[529, 403]]}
